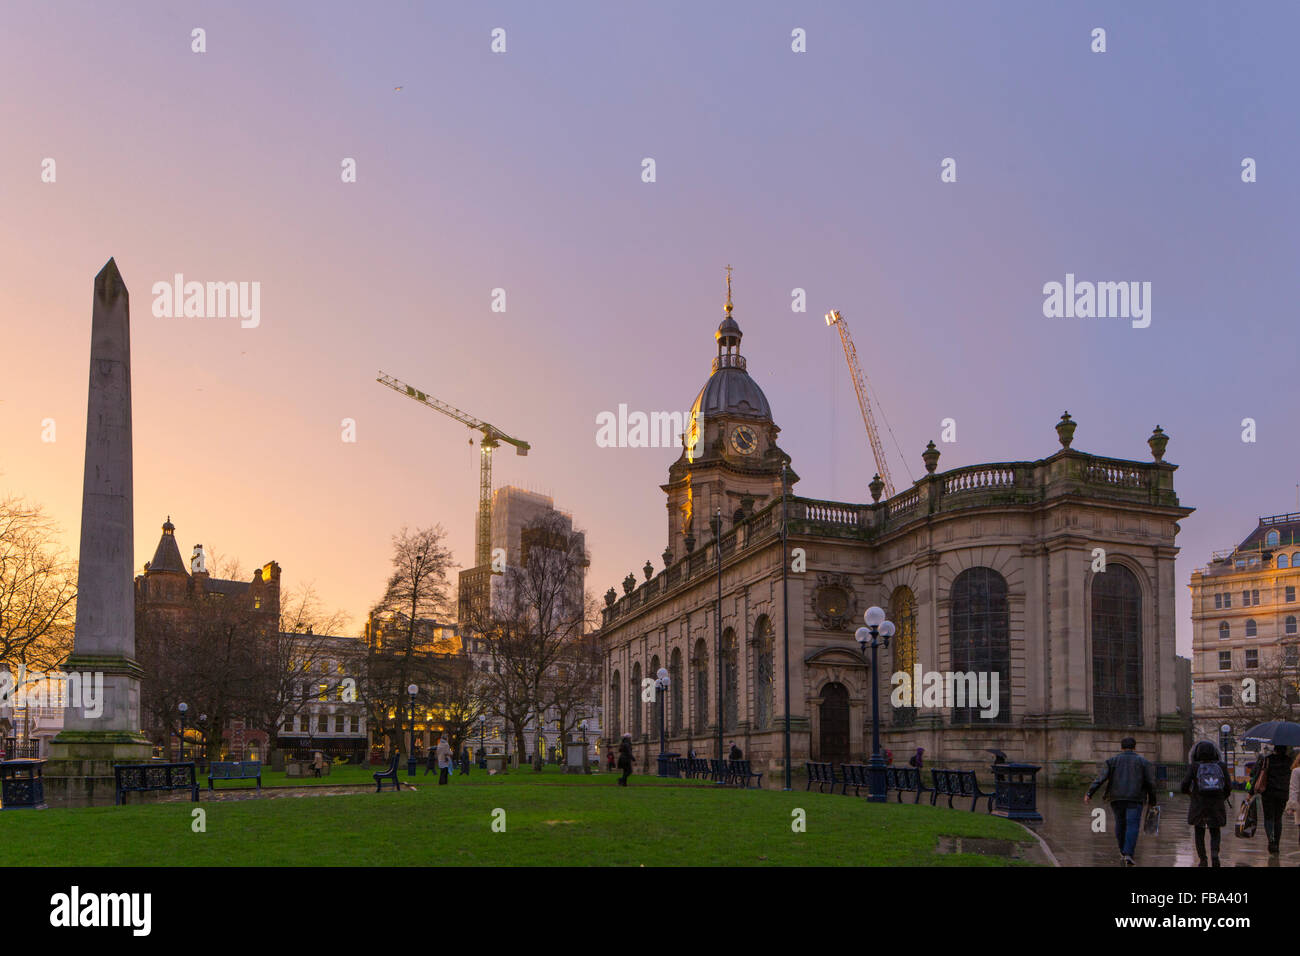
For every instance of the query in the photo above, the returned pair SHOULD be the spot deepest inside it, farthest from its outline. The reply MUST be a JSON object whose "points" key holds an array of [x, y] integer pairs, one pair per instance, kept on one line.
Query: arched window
{"points": [[634, 699], [1251, 629], [1272, 539], [653, 674], [730, 681], [1290, 624], [700, 666], [1294, 558], [1224, 631], [902, 611], [678, 690], [1281, 561], [1116, 648], [616, 705], [980, 636], [764, 673]]}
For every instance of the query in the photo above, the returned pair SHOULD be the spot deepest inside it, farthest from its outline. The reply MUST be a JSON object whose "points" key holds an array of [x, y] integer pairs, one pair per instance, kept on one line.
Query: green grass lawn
{"points": [[550, 819]]}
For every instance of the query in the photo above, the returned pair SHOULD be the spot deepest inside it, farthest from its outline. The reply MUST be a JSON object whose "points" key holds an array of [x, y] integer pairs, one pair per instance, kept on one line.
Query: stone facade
{"points": [[988, 567]]}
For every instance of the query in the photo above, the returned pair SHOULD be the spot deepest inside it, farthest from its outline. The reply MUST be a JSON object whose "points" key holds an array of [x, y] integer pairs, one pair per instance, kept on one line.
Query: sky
{"points": [[522, 171]]}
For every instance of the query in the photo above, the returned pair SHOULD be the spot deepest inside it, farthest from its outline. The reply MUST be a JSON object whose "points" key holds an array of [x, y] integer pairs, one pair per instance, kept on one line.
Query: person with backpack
{"points": [[917, 759], [1130, 780], [1209, 785], [625, 759]]}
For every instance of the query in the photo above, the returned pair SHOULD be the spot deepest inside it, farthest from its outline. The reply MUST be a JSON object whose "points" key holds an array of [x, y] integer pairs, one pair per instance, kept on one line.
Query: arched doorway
{"points": [[835, 724]]}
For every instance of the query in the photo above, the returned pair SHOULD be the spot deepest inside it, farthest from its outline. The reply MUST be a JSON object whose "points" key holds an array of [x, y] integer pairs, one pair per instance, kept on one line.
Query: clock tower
{"points": [[730, 460]]}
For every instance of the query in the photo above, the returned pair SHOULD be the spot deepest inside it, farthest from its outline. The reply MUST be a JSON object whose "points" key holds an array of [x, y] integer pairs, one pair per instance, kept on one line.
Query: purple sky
{"points": [[523, 171]]}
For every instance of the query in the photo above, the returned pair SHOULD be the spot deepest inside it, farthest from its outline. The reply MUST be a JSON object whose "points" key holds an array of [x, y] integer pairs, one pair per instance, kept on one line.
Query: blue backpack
{"points": [[1209, 777]]}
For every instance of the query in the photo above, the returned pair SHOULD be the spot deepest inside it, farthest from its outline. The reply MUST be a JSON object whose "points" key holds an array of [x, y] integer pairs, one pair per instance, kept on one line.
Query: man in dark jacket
{"points": [[1272, 786], [1207, 809], [625, 759], [735, 753], [1130, 779]]}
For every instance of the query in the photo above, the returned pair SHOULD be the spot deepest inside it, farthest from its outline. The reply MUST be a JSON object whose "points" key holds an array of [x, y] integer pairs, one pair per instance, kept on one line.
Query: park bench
{"points": [[900, 779], [699, 768], [821, 774], [148, 777], [235, 770], [389, 774], [854, 775], [958, 783], [741, 772], [718, 771]]}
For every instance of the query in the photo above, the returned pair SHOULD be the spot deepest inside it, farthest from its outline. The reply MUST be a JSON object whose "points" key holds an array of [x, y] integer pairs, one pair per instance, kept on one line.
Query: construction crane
{"points": [[860, 386], [492, 437]]}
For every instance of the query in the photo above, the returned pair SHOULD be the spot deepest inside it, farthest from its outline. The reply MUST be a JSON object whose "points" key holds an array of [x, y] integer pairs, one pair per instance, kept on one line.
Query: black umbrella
{"points": [[1279, 733]]}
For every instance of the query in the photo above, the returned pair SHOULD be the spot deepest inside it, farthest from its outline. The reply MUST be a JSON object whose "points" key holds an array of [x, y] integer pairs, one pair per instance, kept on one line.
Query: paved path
{"points": [[1067, 828]]}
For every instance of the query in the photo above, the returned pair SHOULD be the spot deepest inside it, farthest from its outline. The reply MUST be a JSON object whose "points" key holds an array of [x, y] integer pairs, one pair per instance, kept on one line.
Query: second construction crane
{"points": [[864, 402], [492, 438]]}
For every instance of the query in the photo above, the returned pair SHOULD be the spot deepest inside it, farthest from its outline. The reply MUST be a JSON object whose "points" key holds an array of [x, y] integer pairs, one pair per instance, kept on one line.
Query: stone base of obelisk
{"points": [[79, 770]]}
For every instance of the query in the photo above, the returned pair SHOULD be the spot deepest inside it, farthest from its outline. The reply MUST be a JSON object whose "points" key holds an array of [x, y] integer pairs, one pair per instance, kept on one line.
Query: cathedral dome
{"points": [[730, 390]]}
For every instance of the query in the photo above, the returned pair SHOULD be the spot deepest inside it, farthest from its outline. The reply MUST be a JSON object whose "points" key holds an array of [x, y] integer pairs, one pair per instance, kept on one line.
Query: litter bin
{"points": [[21, 786], [1015, 791], [667, 765]]}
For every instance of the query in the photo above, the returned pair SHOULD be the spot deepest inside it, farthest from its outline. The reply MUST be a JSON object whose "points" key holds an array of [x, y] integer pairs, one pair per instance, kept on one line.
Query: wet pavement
{"points": [[1067, 828]]}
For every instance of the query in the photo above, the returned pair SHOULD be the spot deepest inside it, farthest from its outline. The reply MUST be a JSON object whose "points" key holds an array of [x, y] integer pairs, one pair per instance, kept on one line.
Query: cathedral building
{"points": [[1047, 582]]}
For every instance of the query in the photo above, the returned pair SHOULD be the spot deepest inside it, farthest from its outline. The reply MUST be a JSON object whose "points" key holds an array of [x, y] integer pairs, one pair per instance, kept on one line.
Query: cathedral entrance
{"points": [[835, 724]]}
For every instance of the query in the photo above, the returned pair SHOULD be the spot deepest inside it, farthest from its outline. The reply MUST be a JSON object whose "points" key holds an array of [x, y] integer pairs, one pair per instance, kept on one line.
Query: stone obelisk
{"points": [[101, 729]]}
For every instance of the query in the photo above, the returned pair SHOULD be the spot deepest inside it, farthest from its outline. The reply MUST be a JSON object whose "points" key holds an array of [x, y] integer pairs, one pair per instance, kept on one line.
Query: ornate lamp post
{"points": [[662, 680], [1226, 745], [877, 633], [410, 753], [183, 707]]}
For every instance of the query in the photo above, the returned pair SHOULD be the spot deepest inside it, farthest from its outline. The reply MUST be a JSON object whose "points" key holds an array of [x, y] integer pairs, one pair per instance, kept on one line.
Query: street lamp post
{"points": [[183, 708], [662, 680], [482, 720], [1226, 742], [877, 632], [410, 753]]}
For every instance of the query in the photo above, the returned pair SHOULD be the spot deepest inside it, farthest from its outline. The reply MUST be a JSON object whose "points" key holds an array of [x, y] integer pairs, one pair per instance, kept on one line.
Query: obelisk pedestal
{"points": [[98, 734]]}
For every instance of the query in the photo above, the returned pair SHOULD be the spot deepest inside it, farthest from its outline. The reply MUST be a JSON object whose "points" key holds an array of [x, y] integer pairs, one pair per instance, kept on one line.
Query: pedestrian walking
{"points": [[735, 753], [1273, 784], [444, 759], [1130, 780], [464, 761], [625, 759], [1293, 792], [1210, 787], [609, 758], [917, 759]]}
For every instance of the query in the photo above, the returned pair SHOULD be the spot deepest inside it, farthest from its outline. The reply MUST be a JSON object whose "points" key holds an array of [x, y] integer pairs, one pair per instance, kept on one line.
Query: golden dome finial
{"points": [[728, 290]]}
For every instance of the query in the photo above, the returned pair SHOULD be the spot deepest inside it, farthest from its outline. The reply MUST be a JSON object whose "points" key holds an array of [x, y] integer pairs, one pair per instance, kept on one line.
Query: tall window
{"points": [[1252, 629], [1225, 695], [730, 681], [764, 673], [902, 611], [616, 705], [1281, 561], [634, 701], [1224, 631], [700, 665], [1272, 539], [980, 626], [653, 674], [1225, 660], [1290, 624], [678, 690], [1117, 648]]}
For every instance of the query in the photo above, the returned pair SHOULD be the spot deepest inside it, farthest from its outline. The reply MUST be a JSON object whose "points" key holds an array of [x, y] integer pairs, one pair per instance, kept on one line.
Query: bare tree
{"points": [[536, 616], [460, 696], [1274, 695], [398, 651], [37, 590]]}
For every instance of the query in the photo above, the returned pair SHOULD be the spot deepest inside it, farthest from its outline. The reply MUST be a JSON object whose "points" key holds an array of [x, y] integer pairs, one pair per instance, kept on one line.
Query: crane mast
{"points": [[492, 438], [864, 402]]}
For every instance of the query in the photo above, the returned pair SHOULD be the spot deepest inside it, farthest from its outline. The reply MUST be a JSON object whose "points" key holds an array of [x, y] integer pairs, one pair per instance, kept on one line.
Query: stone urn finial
{"points": [[1158, 442], [1065, 429], [610, 597], [629, 583], [649, 570], [667, 556], [690, 542], [877, 488], [931, 457]]}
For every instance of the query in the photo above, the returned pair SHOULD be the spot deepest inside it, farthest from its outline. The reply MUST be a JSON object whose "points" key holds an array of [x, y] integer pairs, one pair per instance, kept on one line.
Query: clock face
{"points": [[743, 440]]}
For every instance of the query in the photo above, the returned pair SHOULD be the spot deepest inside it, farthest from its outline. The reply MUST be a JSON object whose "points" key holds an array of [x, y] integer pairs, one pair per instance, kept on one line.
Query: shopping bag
{"points": [[1247, 819], [1151, 824]]}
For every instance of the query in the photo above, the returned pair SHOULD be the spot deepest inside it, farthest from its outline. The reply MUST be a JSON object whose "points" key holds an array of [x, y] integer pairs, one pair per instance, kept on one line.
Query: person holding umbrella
{"points": [[1273, 775]]}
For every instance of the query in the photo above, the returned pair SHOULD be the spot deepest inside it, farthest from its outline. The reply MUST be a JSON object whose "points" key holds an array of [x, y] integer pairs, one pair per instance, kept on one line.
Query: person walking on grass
{"points": [[625, 759], [444, 759], [1130, 780], [1210, 787]]}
